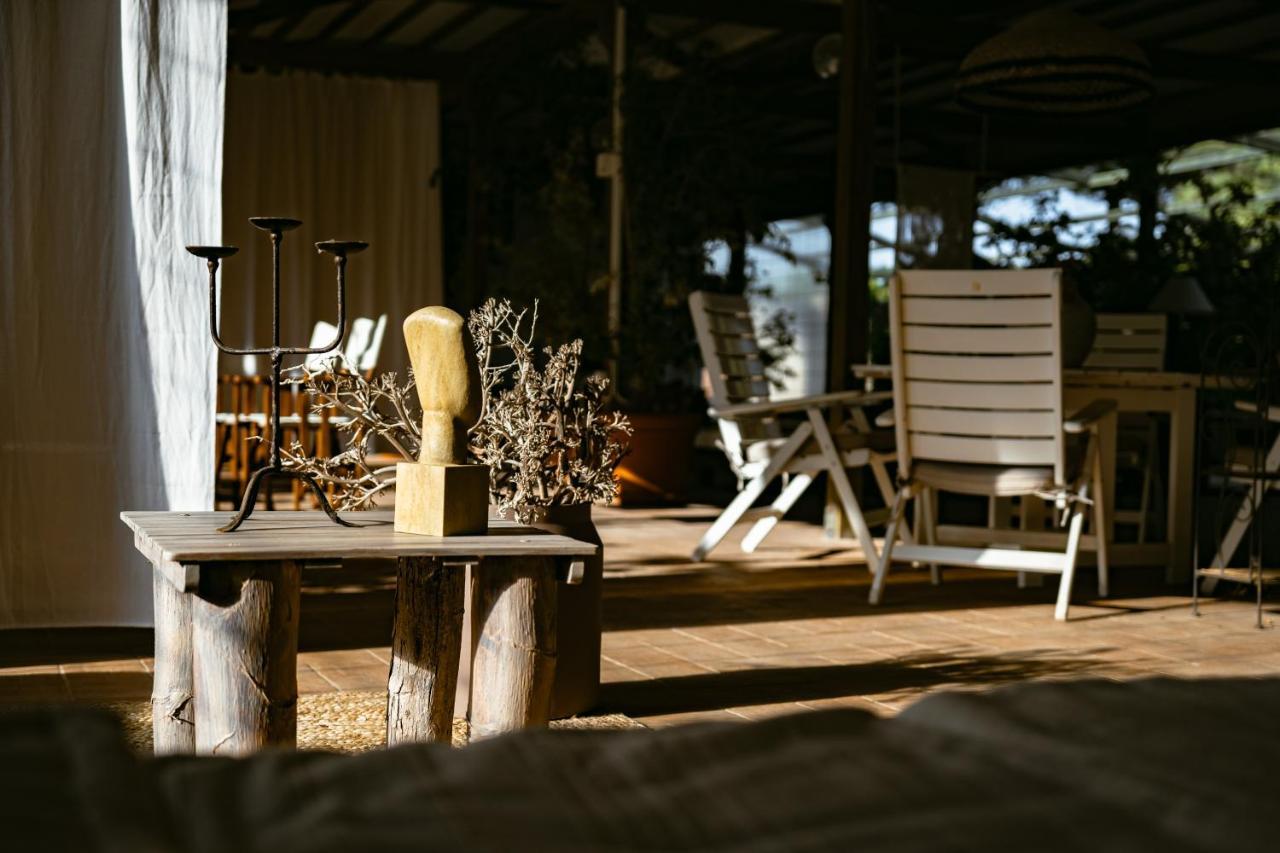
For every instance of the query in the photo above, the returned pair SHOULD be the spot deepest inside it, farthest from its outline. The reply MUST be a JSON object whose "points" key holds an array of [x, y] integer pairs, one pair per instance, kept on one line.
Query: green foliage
{"points": [[1224, 235]]}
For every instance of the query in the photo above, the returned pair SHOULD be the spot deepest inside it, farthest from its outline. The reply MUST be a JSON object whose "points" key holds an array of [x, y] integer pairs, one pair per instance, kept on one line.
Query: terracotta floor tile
{"points": [[355, 677], [789, 627]]}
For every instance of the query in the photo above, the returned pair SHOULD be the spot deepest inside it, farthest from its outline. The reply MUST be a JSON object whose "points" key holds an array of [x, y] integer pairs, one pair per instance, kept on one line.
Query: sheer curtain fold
{"points": [[110, 161], [353, 158]]}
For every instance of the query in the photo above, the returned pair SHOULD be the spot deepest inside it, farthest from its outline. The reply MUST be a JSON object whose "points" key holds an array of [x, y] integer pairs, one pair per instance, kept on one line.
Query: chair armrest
{"points": [[816, 401], [1088, 417], [1273, 412], [872, 371], [886, 420]]}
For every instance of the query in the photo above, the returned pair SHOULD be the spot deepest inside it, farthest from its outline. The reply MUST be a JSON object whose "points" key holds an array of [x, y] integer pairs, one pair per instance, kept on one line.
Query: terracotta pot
{"points": [[578, 623], [656, 471]]}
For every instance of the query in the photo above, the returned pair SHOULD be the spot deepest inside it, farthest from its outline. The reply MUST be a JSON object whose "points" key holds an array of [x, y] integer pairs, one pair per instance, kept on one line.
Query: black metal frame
{"points": [[340, 249], [1243, 362]]}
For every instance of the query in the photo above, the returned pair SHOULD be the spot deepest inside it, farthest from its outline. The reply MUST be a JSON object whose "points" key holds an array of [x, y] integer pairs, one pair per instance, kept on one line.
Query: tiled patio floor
{"points": [[788, 628]]}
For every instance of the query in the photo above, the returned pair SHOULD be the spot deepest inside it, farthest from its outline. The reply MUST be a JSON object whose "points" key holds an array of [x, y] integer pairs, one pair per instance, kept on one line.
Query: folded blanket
{"points": [[1159, 764]]}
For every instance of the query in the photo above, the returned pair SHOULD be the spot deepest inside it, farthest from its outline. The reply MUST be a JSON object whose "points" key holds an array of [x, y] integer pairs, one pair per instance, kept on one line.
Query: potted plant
{"points": [[550, 441]]}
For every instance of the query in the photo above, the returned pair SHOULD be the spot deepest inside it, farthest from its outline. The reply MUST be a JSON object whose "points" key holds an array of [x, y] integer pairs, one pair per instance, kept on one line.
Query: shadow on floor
{"points": [[736, 596], [767, 686], [55, 689]]}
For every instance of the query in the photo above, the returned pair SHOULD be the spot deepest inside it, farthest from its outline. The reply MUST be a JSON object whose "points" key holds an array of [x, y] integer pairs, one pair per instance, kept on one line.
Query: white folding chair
{"points": [[366, 360], [359, 350], [977, 377], [321, 334], [752, 437], [1134, 342]]}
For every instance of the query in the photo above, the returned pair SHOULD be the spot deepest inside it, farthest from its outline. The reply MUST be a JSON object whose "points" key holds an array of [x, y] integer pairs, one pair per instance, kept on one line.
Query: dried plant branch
{"points": [[546, 437]]}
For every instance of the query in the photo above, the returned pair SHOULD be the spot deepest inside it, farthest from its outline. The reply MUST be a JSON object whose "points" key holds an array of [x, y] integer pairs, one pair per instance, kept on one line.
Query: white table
{"points": [[1173, 394]]}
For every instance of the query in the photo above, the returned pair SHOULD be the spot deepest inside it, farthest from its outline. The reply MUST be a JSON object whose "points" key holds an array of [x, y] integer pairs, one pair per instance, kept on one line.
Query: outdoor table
{"points": [[1145, 391], [226, 623]]}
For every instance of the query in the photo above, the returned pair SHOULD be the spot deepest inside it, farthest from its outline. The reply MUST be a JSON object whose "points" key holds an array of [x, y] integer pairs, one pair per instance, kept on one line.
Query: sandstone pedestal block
{"points": [[441, 500]]}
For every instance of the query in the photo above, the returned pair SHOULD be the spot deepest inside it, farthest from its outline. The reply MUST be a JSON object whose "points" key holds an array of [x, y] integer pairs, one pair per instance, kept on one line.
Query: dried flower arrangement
{"points": [[548, 439]]}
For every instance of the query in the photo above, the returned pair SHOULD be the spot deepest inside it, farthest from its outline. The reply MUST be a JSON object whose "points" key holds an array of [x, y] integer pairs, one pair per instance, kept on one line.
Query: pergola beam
{"points": [[354, 58]]}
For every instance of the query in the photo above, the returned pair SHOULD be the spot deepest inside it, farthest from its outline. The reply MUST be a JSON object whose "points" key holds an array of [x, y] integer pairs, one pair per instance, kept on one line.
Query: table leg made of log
{"points": [[226, 644], [513, 646]]}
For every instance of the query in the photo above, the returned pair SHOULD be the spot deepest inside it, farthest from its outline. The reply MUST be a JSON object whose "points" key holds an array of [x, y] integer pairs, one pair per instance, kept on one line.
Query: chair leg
{"points": [[739, 506], [734, 511], [1069, 564], [880, 565], [927, 505], [781, 505], [840, 479], [1100, 527], [887, 491], [1148, 478]]}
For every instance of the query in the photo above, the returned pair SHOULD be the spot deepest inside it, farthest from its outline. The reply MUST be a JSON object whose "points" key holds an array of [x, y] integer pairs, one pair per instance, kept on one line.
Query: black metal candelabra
{"points": [[340, 249]]}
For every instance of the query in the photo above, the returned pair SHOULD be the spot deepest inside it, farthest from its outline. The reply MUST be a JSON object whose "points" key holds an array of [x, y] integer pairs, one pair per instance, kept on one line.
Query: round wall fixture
{"points": [[1054, 63]]}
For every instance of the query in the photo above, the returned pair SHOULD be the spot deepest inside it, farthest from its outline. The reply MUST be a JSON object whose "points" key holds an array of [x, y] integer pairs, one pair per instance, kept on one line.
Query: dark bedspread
{"points": [[1153, 765]]}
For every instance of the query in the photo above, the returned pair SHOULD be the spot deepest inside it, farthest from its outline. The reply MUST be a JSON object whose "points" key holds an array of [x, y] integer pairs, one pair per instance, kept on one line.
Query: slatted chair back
{"points": [[977, 367], [367, 360], [1129, 342], [735, 366]]}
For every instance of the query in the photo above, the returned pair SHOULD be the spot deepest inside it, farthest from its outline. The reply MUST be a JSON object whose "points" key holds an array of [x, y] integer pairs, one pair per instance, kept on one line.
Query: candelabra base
{"points": [[250, 499]]}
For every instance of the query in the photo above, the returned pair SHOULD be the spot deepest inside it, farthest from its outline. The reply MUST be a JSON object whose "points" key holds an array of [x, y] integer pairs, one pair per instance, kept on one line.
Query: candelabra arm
{"points": [[340, 260], [212, 254]]}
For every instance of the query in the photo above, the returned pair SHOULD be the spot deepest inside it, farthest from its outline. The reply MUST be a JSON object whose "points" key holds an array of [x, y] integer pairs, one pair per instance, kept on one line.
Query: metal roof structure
{"points": [[1215, 64]]}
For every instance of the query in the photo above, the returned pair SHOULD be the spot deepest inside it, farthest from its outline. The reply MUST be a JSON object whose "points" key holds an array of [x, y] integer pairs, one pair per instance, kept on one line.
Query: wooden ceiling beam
{"points": [[451, 26], [355, 58], [271, 10], [340, 20], [396, 23]]}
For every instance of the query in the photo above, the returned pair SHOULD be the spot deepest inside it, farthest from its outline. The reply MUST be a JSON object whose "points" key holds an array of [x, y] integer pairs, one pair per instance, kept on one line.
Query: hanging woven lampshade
{"points": [[1054, 63]]}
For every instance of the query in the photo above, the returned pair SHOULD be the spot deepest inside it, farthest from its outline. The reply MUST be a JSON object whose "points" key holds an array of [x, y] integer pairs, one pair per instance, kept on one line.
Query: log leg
{"points": [[424, 650], [173, 728], [514, 642], [246, 656]]}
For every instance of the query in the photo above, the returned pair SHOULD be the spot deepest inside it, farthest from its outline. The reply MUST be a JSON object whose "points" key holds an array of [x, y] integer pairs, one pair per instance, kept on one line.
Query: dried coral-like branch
{"points": [[547, 437]]}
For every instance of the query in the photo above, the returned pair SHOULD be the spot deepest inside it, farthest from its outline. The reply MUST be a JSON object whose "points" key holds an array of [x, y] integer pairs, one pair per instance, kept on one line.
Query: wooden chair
{"points": [[752, 436], [1134, 342], [1129, 342], [977, 377]]}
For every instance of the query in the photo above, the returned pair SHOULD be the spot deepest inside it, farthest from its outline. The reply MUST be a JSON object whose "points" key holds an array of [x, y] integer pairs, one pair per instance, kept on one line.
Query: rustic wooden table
{"points": [[226, 617]]}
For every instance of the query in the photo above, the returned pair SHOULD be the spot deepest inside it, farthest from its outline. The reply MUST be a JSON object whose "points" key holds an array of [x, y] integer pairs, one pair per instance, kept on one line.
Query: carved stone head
{"points": [[448, 382]]}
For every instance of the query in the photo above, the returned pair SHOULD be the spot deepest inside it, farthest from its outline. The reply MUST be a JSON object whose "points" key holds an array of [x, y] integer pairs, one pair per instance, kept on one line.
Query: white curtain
{"points": [[352, 158], [110, 161]]}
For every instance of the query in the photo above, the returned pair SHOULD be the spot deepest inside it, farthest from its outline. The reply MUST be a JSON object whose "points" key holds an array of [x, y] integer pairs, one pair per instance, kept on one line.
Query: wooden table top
{"points": [[192, 537]]}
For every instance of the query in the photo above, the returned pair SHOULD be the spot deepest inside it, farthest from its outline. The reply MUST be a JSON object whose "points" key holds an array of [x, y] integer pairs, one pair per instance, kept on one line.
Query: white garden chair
{"points": [[359, 351], [752, 436], [977, 377], [1133, 342]]}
